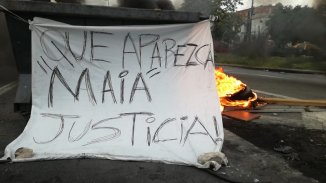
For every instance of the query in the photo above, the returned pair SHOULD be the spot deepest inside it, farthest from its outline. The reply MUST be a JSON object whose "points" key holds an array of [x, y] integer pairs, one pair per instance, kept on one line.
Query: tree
{"points": [[227, 26], [298, 24]]}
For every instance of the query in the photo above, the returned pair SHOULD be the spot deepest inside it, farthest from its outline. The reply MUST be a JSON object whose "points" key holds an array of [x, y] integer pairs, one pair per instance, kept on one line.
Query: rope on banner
{"points": [[5, 10]]}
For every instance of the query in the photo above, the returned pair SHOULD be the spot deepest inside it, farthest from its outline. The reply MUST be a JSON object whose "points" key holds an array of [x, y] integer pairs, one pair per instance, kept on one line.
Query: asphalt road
{"points": [[301, 86], [248, 161]]}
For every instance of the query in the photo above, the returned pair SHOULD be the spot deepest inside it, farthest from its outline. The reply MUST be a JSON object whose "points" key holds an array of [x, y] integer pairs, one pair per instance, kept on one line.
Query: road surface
{"points": [[250, 160], [301, 86]]}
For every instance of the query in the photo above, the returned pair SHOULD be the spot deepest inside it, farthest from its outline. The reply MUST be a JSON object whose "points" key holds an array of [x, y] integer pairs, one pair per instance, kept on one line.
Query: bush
{"points": [[257, 48]]}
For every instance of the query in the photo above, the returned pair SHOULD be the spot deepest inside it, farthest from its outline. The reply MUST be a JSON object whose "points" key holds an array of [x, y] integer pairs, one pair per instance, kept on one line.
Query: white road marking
{"points": [[4, 89], [262, 75], [269, 76], [274, 94]]}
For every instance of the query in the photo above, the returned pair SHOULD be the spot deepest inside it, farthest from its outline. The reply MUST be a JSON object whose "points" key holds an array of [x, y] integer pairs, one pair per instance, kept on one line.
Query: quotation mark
{"points": [[150, 72], [38, 62]]}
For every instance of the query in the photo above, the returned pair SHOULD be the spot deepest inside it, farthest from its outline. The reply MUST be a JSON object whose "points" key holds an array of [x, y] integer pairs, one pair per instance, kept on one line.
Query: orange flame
{"points": [[227, 86]]}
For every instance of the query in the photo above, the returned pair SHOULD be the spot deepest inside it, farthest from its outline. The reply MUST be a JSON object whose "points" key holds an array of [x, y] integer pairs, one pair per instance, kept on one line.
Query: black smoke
{"points": [[165, 4], [147, 4]]}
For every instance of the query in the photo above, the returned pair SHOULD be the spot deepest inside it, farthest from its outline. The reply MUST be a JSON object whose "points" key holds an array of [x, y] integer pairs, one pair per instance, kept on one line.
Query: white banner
{"points": [[122, 92]]}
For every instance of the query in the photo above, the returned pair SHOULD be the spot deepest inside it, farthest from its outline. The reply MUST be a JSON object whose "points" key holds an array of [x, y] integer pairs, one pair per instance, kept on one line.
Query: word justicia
{"points": [[154, 131]]}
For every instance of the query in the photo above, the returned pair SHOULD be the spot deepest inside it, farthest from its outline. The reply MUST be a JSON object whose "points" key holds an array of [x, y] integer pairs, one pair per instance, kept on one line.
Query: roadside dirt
{"points": [[304, 150]]}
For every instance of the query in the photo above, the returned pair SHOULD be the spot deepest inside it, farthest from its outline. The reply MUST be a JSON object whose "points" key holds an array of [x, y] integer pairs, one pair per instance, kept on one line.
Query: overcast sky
{"points": [[247, 3]]}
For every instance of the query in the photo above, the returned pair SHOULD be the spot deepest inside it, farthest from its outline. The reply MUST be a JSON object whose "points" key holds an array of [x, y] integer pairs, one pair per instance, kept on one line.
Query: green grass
{"points": [[305, 63]]}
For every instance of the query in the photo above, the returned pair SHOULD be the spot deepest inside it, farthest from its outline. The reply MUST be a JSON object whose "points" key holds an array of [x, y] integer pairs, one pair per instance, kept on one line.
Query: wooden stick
{"points": [[319, 103], [276, 111]]}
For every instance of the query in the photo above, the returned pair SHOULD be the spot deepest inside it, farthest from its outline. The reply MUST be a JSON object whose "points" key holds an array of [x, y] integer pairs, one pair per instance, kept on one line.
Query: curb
{"points": [[274, 69], [315, 120], [309, 120]]}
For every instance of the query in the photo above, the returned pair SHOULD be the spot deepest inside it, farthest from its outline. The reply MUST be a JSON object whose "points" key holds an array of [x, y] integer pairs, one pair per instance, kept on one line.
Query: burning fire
{"points": [[228, 86]]}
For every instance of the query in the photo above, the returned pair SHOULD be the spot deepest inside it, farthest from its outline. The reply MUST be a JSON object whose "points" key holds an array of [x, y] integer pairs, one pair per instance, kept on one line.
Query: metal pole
{"points": [[249, 21]]}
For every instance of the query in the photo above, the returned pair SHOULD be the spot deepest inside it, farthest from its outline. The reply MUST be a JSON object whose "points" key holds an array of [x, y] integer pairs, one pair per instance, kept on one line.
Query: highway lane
{"points": [[245, 158], [245, 162], [302, 86]]}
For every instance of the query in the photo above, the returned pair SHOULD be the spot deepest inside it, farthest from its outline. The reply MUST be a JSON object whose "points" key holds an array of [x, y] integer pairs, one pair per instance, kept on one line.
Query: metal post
{"points": [[249, 21], [251, 15]]}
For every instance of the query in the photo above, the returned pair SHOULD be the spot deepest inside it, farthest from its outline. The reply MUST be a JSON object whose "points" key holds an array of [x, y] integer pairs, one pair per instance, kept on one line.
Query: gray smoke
{"points": [[318, 3], [284, 2], [311, 3], [147, 4], [264, 2]]}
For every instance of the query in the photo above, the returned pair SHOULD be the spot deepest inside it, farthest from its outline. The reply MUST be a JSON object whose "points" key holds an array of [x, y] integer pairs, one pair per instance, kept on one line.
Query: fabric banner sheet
{"points": [[144, 93]]}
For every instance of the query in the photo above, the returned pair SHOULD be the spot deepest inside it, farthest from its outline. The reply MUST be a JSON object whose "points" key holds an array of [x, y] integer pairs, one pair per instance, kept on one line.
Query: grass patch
{"points": [[305, 63]]}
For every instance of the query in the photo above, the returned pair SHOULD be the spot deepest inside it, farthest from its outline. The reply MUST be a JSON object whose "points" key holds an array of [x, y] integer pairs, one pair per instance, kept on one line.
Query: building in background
{"points": [[261, 15]]}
